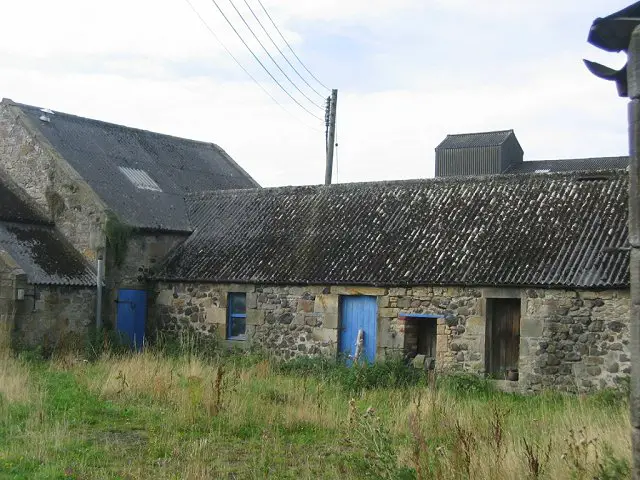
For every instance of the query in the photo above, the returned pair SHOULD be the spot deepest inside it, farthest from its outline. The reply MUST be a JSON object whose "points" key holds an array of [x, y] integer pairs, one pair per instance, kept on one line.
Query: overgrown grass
{"points": [[163, 414]]}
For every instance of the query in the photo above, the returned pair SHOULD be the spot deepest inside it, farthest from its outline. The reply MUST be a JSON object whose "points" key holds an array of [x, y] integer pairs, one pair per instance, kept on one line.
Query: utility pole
{"points": [[620, 31], [331, 134]]}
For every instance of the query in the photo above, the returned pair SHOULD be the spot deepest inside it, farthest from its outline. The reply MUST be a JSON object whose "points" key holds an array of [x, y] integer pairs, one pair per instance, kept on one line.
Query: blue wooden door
{"points": [[358, 312], [132, 314]]}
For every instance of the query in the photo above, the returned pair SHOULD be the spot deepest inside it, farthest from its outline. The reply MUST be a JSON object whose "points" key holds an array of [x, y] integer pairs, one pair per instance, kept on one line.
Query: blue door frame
{"points": [[358, 312], [132, 314]]}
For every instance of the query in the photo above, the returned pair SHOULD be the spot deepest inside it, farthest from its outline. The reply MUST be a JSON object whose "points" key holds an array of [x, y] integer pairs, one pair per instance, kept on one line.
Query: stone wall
{"points": [[144, 251], [49, 316], [66, 199], [11, 278], [573, 341], [286, 321], [61, 194], [54, 316]]}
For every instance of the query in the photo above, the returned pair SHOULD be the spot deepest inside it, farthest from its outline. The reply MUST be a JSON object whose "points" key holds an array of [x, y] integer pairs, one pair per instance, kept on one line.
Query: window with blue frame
{"points": [[236, 316]]}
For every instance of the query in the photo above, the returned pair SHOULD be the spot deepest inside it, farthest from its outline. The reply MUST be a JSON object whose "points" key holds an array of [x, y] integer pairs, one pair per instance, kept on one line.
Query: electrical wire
{"points": [[262, 64], [287, 43], [271, 57], [280, 51], [215, 36]]}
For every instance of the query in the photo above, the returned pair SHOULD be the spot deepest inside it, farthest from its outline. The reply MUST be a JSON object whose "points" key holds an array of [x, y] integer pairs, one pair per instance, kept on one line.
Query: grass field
{"points": [[152, 415]]}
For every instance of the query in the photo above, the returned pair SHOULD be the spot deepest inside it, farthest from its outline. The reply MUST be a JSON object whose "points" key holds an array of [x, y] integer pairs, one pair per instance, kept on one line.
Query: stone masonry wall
{"points": [[303, 320], [49, 316], [11, 278], [80, 215], [54, 316], [460, 330], [286, 321], [62, 195], [574, 341], [144, 251]]}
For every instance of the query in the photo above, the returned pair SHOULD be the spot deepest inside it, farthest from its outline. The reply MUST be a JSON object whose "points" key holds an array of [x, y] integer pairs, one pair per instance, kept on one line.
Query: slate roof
{"points": [[42, 252], [470, 140], [548, 230], [97, 150], [568, 165]]}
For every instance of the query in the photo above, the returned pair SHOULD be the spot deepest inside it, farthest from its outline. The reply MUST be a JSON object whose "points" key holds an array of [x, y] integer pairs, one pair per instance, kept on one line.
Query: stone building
{"points": [[114, 193], [47, 289], [517, 276], [523, 276]]}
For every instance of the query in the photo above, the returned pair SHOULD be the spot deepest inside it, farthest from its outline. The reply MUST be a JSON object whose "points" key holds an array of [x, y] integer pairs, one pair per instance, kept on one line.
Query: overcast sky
{"points": [[408, 73]]}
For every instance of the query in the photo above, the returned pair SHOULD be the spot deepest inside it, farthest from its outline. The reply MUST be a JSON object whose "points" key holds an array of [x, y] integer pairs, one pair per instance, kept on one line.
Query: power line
{"points": [[215, 36], [287, 43], [279, 50], [269, 55], [262, 64]]}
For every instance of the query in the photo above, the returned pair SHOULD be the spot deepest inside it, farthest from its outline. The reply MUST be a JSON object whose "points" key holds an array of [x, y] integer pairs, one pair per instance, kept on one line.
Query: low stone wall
{"points": [[54, 317], [573, 341]]}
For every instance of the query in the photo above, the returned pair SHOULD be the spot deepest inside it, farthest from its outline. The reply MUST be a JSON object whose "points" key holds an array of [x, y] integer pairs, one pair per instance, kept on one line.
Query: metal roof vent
{"points": [[140, 179], [45, 112]]}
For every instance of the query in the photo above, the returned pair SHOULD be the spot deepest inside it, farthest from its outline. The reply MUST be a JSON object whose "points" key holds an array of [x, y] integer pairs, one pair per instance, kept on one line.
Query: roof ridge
{"points": [[8, 101], [510, 130], [502, 178]]}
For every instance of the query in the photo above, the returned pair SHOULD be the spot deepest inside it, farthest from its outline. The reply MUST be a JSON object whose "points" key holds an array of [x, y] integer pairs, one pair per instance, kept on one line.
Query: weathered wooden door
{"points": [[503, 335], [132, 314], [358, 313]]}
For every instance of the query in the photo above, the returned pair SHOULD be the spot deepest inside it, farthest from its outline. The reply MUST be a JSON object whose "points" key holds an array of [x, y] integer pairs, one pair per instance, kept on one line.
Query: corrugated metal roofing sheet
{"points": [[568, 165], [550, 230], [44, 255], [469, 140], [97, 150]]}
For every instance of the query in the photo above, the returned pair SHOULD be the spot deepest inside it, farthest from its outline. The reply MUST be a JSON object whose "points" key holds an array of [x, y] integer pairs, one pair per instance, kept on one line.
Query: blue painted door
{"points": [[358, 312], [132, 314]]}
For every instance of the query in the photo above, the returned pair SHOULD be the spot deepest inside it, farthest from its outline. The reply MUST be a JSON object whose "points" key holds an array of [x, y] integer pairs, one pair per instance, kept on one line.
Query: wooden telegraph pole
{"points": [[331, 135], [621, 32]]}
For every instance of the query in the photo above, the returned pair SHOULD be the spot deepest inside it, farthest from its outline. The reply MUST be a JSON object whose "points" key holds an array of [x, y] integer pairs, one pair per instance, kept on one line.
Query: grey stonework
{"points": [[78, 213], [49, 316], [56, 188], [286, 321], [144, 251], [574, 341]]}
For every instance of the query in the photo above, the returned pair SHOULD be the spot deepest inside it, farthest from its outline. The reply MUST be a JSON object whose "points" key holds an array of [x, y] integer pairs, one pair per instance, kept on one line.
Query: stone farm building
{"points": [[517, 269]]}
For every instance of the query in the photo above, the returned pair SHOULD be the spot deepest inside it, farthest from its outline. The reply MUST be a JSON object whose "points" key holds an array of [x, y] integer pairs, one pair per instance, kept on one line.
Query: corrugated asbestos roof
{"points": [[470, 140], [178, 166], [44, 255], [568, 165], [531, 230]]}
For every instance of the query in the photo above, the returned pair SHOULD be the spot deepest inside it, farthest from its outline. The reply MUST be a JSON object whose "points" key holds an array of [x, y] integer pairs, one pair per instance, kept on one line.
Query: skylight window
{"points": [[140, 179], [542, 170]]}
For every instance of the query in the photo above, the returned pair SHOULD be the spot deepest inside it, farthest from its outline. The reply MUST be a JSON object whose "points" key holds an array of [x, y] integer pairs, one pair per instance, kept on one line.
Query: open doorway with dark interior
{"points": [[420, 335], [502, 338]]}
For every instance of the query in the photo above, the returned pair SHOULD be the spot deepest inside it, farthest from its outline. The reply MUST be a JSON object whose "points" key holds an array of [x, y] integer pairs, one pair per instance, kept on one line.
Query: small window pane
{"points": [[237, 327], [237, 303]]}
